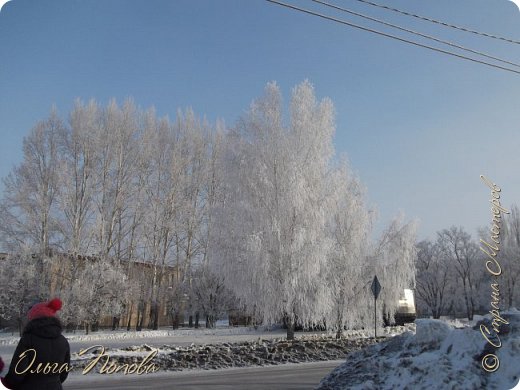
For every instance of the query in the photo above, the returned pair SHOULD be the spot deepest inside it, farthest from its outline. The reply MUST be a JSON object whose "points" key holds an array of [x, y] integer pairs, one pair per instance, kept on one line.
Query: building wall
{"points": [[140, 276]]}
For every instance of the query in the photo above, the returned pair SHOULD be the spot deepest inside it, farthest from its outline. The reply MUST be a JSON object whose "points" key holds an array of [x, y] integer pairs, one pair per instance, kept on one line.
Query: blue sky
{"points": [[418, 127]]}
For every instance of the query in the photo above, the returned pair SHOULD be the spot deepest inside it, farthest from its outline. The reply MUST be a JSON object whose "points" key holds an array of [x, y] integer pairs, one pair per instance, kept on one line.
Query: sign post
{"points": [[376, 289]]}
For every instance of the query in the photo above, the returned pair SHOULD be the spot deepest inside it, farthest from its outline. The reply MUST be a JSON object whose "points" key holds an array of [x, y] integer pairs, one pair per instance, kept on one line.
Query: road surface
{"points": [[284, 377]]}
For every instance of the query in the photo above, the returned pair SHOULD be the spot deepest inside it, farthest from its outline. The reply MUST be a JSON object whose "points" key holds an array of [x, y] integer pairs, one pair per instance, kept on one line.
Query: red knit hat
{"points": [[44, 309]]}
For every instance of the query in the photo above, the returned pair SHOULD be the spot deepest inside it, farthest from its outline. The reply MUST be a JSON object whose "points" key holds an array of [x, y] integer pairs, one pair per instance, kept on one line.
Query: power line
{"points": [[414, 32], [391, 36], [440, 22]]}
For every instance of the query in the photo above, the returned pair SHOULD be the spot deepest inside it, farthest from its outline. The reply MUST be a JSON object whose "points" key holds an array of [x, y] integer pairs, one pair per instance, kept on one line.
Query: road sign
{"points": [[376, 287]]}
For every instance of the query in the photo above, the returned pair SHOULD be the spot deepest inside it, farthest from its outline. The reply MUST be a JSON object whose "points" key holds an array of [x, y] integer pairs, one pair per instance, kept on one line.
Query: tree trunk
{"points": [[129, 323], [155, 323], [339, 324], [197, 320], [115, 322], [139, 322], [290, 329], [210, 321], [175, 323]]}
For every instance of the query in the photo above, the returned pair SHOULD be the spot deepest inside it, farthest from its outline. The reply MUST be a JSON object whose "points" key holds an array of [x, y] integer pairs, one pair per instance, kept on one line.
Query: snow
{"points": [[145, 335], [438, 356]]}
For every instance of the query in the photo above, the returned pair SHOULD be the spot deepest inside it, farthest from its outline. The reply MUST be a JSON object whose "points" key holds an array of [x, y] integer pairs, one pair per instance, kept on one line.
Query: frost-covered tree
{"points": [[211, 297], [76, 178], [347, 276], [115, 144], [509, 257], [174, 298], [434, 278], [394, 259], [273, 244], [30, 190], [161, 196], [195, 144], [28, 208], [462, 253], [99, 289], [19, 278]]}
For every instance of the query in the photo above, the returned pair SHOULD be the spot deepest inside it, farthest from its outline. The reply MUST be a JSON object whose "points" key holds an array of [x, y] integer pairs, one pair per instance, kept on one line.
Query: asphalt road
{"points": [[284, 377]]}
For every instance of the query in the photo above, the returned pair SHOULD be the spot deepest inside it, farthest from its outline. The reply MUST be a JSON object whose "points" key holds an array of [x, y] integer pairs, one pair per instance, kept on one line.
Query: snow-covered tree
{"points": [[98, 290], [462, 253], [30, 190], [161, 201], [347, 276], [76, 178], [510, 257], [27, 210], [19, 278], [175, 298], [195, 136], [434, 278], [273, 239], [114, 162], [210, 295], [394, 259]]}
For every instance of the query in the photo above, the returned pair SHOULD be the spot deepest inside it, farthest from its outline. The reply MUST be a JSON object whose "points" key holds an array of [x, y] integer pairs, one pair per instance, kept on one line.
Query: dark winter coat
{"points": [[44, 336]]}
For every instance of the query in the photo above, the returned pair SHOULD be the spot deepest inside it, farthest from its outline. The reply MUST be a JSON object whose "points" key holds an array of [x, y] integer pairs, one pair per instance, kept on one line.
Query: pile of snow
{"points": [[257, 351], [225, 355], [438, 356]]}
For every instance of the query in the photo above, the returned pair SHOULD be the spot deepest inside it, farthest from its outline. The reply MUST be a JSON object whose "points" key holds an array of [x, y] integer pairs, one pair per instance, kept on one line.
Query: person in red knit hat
{"points": [[42, 358]]}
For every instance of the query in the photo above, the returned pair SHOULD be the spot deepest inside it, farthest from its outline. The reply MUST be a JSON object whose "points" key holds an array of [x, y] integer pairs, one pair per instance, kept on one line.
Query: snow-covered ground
{"points": [[438, 356], [145, 335]]}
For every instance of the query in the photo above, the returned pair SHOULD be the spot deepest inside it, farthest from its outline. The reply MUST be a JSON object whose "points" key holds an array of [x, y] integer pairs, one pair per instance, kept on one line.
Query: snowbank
{"points": [[438, 356], [225, 355]]}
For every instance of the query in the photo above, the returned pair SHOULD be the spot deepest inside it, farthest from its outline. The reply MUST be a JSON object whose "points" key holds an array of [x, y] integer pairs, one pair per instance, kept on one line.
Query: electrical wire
{"points": [[391, 36], [414, 32], [465, 29]]}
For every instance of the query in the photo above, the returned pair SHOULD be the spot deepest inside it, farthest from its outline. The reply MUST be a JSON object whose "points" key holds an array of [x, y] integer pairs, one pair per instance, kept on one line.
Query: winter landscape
{"points": [[262, 194]]}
